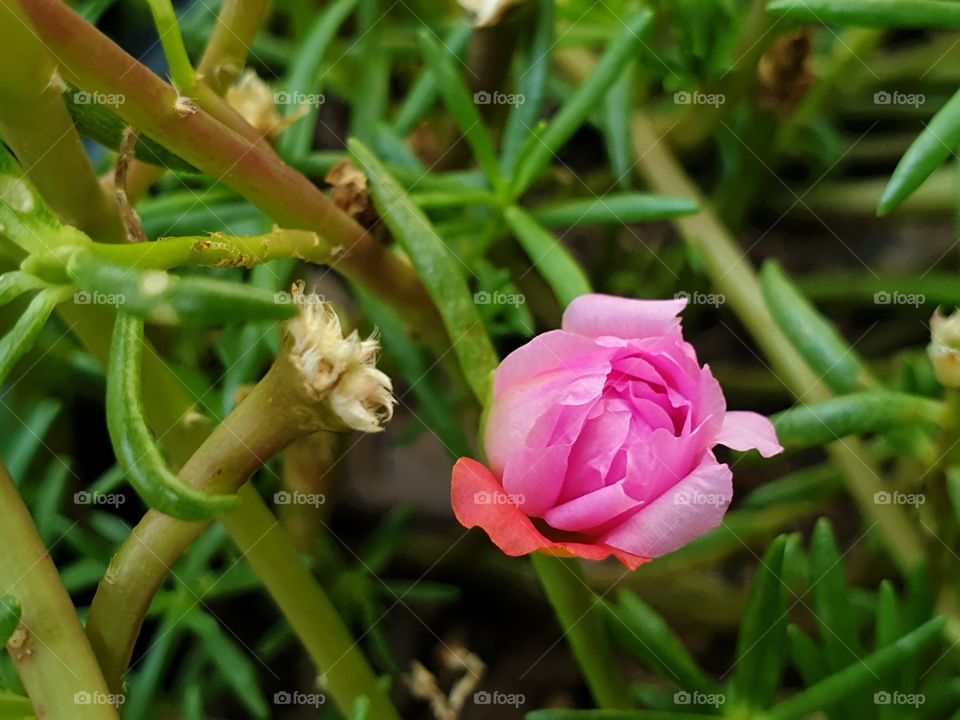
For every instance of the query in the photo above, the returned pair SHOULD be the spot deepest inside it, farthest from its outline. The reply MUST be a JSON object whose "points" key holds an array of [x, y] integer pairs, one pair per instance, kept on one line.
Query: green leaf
{"points": [[617, 116], [762, 642], [532, 73], [234, 665], [870, 412], [16, 343], [15, 283], [424, 91], [832, 607], [371, 89], [9, 617], [461, 104], [304, 79], [440, 272], [827, 354], [937, 142], [805, 655], [361, 708], [644, 633], [871, 13], [136, 450], [614, 209], [888, 625], [859, 676], [953, 488], [167, 299], [436, 409], [549, 255], [95, 120], [540, 149]]}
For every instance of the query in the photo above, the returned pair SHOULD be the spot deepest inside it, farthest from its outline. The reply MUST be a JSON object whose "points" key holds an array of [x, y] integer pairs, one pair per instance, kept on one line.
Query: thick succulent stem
{"points": [[48, 648]]}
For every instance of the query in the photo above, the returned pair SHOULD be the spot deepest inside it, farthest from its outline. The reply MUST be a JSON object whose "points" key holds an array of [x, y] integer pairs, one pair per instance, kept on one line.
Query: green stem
{"points": [[219, 250], [581, 619], [49, 649], [181, 70], [345, 672], [36, 124], [92, 61], [233, 34]]}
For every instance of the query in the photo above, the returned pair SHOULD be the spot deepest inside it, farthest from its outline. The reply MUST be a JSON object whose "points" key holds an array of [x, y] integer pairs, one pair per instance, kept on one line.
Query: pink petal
{"points": [[596, 315], [479, 501], [592, 510], [551, 352], [537, 403], [748, 431], [534, 477], [681, 514]]}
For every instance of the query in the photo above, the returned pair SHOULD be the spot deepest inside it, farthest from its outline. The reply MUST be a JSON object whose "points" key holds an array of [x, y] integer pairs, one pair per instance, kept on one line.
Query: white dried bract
{"points": [[487, 12], [944, 348], [341, 370]]}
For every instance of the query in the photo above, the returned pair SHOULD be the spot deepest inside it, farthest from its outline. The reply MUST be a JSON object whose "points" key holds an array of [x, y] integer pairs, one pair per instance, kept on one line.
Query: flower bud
{"points": [[944, 348]]}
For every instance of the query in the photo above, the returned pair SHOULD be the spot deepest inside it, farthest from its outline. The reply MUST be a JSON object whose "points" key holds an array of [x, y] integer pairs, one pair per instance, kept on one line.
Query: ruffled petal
{"points": [[479, 501], [749, 431], [596, 315], [681, 514], [551, 352]]}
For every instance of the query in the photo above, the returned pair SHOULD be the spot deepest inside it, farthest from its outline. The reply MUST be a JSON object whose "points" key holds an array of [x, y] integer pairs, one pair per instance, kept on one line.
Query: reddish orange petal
{"points": [[479, 501]]}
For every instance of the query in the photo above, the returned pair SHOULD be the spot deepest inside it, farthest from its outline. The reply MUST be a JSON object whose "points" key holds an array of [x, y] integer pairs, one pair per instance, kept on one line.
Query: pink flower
{"points": [[600, 439]]}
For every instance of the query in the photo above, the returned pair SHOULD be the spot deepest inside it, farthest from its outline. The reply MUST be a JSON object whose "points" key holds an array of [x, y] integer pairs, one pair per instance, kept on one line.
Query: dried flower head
{"points": [[256, 102], [341, 370]]}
